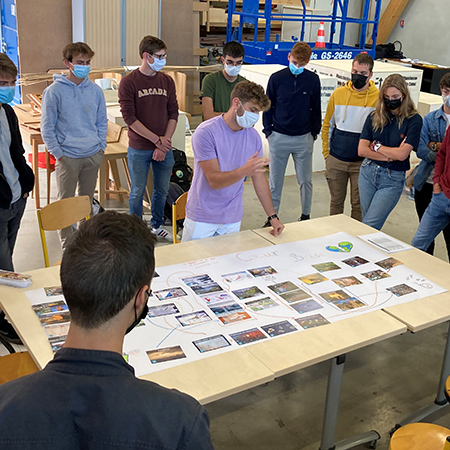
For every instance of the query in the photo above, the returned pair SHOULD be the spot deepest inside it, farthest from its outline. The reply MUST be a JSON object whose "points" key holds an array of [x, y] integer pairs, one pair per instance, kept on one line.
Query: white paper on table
{"points": [[384, 242]]}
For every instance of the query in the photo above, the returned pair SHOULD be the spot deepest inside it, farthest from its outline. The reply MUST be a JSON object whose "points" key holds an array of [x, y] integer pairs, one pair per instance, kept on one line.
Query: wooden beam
{"points": [[389, 18]]}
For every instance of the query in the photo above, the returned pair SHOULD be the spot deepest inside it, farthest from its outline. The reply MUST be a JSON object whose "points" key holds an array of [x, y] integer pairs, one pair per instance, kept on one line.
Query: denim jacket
{"points": [[433, 130]]}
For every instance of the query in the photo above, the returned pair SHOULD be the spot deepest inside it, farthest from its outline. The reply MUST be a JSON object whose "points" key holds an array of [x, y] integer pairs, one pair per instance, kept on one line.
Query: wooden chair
{"points": [[178, 212], [419, 436], [15, 366], [61, 214], [45, 161]]}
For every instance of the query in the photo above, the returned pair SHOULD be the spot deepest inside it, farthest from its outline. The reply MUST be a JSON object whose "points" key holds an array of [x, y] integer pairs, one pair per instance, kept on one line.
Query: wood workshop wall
{"points": [[426, 31], [103, 30], [44, 28]]}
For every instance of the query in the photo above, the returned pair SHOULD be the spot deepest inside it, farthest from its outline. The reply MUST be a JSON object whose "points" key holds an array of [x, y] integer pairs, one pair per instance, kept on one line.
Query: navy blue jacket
{"points": [[86, 399], [26, 176], [295, 104]]}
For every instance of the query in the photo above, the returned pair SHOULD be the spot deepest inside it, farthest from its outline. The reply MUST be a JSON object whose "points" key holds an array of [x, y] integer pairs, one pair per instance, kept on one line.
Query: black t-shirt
{"points": [[392, 136]]}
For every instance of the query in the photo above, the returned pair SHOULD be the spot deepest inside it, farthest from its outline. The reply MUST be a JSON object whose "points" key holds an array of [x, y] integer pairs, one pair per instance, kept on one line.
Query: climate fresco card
{"points": [[326, 266], [349, 304], [53, 319], [282, 287], [262, 271], [333, 296], [217, 297], [165, 354], [230, 313], [193, 318], [279, 328], [262, 304], [313, 321], [346, 281], [306, 306], [248, 292], [375, 275], [50, 308], [169, 293], [401, 289], [389, 263], [202, 284], [355, 261], [211, 343], [236, 276], [313, 278], [162, 310], [248, 336], [53, 290], [295, 296]]}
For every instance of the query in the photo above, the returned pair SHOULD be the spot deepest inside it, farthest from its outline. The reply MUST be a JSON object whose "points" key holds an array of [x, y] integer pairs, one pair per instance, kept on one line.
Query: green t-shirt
{"points": [[217, 87]]}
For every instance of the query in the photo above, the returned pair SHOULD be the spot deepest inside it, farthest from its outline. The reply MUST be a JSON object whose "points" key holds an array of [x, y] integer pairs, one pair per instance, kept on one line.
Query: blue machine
{"points": [[9, 37], [275, 52]]}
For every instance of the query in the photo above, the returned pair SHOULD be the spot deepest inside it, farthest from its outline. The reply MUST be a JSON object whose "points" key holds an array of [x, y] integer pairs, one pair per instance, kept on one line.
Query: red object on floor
{"points": [[42, 164]]}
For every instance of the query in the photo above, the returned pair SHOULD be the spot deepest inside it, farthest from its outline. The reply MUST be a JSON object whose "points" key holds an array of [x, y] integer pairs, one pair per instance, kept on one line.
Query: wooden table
{"points": [[228, 373], [29, 126]]}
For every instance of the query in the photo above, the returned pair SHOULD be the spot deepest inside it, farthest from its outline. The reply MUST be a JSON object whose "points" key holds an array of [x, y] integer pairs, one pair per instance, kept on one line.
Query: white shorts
{"points": [[193, 230]]}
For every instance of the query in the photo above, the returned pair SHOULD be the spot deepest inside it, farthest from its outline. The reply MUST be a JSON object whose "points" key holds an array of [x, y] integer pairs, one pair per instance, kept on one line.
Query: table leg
{"points": [[101, 182], [440, 401], [331, 413], [35, 164]]}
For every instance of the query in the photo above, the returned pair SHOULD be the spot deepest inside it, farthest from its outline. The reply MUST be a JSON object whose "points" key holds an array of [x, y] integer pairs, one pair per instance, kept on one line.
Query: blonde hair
{"points": [[380, 117]]}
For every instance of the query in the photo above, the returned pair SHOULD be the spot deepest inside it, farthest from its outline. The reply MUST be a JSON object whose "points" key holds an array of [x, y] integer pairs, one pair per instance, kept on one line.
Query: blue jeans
{"points": [[301, 148], [139, 162], [9, 226], [435, 219], [379, 191]]}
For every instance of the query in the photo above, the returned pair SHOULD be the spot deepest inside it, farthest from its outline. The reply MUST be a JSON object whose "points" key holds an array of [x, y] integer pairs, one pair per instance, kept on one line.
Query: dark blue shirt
{"points": [[86, 399], [392, 136], [295, 104]]}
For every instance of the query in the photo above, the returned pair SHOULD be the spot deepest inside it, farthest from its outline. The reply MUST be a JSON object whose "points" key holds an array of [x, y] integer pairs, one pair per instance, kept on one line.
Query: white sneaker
{"points": [[161, 232]]}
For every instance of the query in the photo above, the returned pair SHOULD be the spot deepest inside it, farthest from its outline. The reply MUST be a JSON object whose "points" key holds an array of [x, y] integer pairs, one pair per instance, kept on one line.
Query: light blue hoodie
{"points": [[74, 121]]}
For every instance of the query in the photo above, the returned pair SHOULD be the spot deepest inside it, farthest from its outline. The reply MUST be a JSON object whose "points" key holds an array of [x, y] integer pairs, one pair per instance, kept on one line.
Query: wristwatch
{"points": [[376, 147], [433, 146], [273, 216]]}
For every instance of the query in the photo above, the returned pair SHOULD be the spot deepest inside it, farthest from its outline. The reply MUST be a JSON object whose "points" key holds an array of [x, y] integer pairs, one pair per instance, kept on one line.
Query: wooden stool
{"points": [[419, 436]]}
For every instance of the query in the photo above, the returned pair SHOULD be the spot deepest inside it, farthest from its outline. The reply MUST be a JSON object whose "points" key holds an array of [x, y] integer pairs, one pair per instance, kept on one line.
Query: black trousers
{"points": [[422, 199]]}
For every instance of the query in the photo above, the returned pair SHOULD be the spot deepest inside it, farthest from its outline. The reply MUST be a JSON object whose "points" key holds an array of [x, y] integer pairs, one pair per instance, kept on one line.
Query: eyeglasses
{"points": [[149, 292], [160, 57], [232, 63]]}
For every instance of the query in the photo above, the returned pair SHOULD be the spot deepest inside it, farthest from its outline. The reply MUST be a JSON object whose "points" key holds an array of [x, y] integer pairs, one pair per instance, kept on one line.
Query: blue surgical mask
{"points": [[295, 70], [7, 94], [157, 64], [446, 100], [248, 119], [81, 71], [232, 71]]}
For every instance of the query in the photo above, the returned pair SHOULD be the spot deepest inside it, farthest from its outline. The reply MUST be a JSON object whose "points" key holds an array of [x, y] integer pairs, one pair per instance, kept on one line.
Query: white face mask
{"points": [[248, 119], [446, 100], [232, 71], [157, 64]]}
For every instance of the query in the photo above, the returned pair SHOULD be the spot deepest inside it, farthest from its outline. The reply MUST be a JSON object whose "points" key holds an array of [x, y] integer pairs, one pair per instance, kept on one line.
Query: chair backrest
{"points": [[16, 365], [124, 137], [114, 131], [178, 212], [62, 214]]}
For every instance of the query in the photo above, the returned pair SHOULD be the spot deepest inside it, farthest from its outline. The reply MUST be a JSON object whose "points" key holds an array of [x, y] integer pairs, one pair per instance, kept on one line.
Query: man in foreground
{"points": [[226, 150], [88, 397]]}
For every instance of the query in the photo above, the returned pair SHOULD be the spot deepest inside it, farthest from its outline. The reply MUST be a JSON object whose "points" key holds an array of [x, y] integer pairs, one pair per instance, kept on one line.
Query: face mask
{"points": [[157, 64], [445, 99], [7, 94], [81, 71], [392, 104], [248, 119], [138, 319], [232, 71], [358, 80], [295, 70]]}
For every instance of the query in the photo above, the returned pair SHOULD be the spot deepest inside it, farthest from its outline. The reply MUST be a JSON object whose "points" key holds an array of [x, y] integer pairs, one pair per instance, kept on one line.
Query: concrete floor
{"points": [[382, 383]]}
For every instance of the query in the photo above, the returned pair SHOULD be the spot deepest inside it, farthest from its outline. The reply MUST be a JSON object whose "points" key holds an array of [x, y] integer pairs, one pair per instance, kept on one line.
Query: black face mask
{"points": [[358, 80], [141, 316], [392, 104]]}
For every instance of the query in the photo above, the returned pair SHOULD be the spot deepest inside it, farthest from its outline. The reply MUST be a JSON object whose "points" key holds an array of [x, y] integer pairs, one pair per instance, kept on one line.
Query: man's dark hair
{"points": [[7, 67], [445, 81], [108, 260], [151, 44], [233, 49], [77, 48], [364, 58]]}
